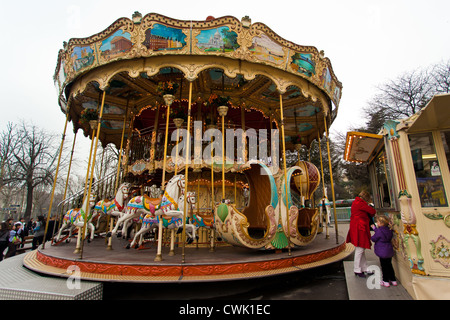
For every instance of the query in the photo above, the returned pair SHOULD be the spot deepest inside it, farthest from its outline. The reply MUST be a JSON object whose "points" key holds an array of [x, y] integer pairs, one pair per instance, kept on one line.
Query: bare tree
{"points": [[397, 99], [403, 96], [441, 77], [32, 161], [406, 95], [106, 161]]}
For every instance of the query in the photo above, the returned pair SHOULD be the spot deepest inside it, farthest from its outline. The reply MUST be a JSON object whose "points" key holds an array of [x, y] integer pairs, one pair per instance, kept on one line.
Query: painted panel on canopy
{"points": [[107, 108], [161, 37], [306, 111], [302, 127], [217, 83], [299, 127], [116, 45], [325, 79], [272, 94], [61, 76], [217, 40], [113, 124], [82, 57], [265, 49], [337, 94], [303, 63]]}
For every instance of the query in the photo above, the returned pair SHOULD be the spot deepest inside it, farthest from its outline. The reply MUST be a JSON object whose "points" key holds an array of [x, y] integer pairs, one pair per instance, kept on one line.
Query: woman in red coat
{"points": [[359, 232]]}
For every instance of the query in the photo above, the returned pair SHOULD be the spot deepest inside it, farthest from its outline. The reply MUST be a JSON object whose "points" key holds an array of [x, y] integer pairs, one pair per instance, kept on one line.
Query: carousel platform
{"points": [[19, 283], [200, 265]]}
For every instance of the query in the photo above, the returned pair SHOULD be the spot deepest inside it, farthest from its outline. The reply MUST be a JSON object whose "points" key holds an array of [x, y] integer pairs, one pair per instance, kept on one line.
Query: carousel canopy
{"points": [[244, 61], [434, 116], [359, 146]]}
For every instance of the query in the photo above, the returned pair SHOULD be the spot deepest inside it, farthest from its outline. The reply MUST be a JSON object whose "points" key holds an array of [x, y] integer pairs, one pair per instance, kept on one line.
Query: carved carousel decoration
{"points": [[242, 97]]}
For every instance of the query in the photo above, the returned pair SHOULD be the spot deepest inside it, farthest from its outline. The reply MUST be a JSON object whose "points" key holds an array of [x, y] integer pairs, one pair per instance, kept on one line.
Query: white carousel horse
{"points": [[155, 191], [199, 222], [113, 207], [325, 210], [143, 204], [74, 218], [174, 221]]}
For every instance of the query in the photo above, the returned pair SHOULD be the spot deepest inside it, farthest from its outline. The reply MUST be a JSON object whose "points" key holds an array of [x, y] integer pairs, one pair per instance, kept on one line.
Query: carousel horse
{"points": [[174, 221], [199, 222], [113, 207], [142, 205], [74, 218], [155, 191], [325, 214]]}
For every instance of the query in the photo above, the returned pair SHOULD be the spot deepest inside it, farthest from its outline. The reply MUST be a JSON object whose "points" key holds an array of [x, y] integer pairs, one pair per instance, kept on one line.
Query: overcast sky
{"points": [[368, 43]]}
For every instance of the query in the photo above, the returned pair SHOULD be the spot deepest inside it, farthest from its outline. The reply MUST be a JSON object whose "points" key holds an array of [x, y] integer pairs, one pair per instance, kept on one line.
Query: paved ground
{"points": [[331, 282], [335, 281]]}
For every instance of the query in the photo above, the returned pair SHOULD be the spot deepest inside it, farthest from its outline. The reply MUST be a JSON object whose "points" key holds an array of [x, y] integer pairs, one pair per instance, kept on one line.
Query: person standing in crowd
{"points": [[30, 226], [4, 237], [359, 231], [384, 250], [39, 231], [10, 222], [14, 240], [22, 233]]}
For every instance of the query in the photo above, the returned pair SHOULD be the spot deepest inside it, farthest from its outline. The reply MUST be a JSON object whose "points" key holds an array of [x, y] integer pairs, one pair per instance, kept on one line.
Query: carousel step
{"points": [[19, 283], [365, 289]]}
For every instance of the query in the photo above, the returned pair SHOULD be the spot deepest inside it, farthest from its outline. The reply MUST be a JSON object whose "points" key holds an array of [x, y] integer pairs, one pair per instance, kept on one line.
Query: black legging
{"points": [[36, 242], [387, 269], [3, 246]]}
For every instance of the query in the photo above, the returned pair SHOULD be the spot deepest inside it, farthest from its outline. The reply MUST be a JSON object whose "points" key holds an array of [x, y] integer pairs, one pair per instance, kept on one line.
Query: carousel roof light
{"points": [[360, 146]]}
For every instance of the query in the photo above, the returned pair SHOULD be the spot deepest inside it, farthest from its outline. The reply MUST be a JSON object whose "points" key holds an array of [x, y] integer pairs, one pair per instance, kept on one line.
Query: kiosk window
{"points": [[445, 135], [428, 171], [383, 181]]}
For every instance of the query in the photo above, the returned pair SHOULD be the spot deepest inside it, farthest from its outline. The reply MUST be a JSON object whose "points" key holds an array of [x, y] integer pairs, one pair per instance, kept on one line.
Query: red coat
{"points": [[359, 232]]}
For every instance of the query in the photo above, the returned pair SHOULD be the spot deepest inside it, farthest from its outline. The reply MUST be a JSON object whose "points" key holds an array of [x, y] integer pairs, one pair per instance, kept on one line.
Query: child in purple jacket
{"points": [[384, 250]]}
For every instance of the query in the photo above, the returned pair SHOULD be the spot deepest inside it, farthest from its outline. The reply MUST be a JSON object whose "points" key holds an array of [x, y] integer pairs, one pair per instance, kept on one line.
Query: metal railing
{"points": [[342, 214]]}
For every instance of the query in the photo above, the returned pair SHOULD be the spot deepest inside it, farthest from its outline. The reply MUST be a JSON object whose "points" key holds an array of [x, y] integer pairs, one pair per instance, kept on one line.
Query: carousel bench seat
{"points": [[305, 217], [257, 232]]}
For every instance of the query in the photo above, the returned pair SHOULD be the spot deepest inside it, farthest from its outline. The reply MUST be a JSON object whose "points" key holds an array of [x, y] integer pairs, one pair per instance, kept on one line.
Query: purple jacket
{"points": [[382, 239]]}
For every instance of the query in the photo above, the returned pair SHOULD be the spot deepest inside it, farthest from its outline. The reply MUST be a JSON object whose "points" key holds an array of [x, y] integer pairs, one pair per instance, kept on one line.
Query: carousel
{"points": [[204, 115]]}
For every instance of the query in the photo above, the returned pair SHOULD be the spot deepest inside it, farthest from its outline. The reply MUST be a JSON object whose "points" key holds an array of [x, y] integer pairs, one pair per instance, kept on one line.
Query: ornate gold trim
{"points": [[191, 29]]}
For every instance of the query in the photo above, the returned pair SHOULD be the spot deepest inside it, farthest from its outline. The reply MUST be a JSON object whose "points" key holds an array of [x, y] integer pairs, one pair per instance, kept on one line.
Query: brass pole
{"points": [[198, 194], [176, 152], [285, 174], [223, 157], [163, 187], [324, 210], [321, 163], [154, 137], [244, 139], [110, 219], [99, 122], [186, 171], [331, 179], [56, 175], [78, 245], [235, 192], [67, 179], [165, 148], [172, 232], [211, 249], [100, 187], [121, 148]]}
